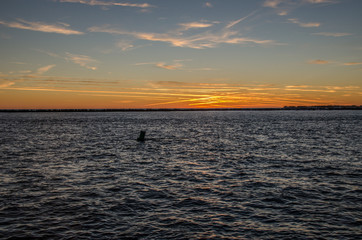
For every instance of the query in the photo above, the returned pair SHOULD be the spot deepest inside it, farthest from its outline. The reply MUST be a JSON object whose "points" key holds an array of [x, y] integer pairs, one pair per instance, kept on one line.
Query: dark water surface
{"points": [[200, 175]]}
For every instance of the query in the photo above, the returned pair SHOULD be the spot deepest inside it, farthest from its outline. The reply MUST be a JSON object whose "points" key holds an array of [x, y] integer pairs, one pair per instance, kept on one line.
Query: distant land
{"points": [[287, 108]]}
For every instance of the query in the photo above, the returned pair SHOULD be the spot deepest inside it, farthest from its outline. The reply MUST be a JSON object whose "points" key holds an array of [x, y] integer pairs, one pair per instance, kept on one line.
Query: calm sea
{"points": [[198, 175]]}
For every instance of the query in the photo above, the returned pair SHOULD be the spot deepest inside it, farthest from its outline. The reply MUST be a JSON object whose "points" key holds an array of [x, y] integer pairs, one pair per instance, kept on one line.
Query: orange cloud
{"points": [[352, 63], [169, 67], [176, 94], [183, 38], [272, 3], [5, 84], [318, 61], [302, 24], [195, 25], [108, 3], [41, 27], [320, 1]]}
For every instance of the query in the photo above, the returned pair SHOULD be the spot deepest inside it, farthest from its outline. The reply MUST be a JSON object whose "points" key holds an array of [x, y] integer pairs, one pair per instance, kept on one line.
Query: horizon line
{"points": [[316, 107]]}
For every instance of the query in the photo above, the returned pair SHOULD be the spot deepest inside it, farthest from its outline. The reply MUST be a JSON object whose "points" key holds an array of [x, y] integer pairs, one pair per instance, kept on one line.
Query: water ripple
{"points": [[199, 175]]}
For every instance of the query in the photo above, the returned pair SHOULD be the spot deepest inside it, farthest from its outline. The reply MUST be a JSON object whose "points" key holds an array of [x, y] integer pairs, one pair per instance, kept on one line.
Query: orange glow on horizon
{"points": [[155, 98]]}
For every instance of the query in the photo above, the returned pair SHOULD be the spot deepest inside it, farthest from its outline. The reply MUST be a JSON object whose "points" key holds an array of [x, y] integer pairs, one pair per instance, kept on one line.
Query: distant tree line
{"points": [[329, 107]]}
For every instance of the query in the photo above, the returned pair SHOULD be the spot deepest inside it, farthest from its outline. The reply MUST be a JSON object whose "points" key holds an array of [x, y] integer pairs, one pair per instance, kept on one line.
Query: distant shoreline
{"points": [[286, 108]]}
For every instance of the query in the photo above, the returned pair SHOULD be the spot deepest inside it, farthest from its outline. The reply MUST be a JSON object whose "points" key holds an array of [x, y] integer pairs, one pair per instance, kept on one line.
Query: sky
{"points": [[70, 54]]}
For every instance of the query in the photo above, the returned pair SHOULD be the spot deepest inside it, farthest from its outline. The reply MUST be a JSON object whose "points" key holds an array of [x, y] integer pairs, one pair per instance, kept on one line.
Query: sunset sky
{"points": [[179, 53]]}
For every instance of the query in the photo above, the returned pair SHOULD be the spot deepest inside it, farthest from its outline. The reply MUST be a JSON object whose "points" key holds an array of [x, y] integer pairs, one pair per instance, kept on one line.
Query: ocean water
{"points": [[199, 175]]}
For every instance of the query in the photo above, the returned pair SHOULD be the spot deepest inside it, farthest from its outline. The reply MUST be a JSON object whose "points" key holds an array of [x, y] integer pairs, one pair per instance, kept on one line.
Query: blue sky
{"points": [[190, 53]]}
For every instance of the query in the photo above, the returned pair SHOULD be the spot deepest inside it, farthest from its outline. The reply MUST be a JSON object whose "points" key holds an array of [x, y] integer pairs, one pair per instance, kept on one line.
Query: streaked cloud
{"points": [[303, 24], [177, 85], [169, 66], [320, 1], [82, 60], [283, 7], [45, 69], [125, 92], [278, 3], [272, 3], [169, 83], [352, 63], [36, 78], [231, 24], [51, 54], [332, 34], [108, 3], [348, 88], [181, 38], [323, 62], [176, 65], [195, 25], [283, 13], [59, 28], [318, 61], [231, 95], [5, 83], [192, 94], [325, 89]]}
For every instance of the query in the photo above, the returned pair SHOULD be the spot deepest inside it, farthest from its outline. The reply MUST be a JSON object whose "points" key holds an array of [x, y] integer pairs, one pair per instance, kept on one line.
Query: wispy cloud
{"points": [[190, 25], [332, 34], [182, 38], [272, 3], [125, 45], [323, 62], [191, 85], [283, 13], [352, 63], [278, 3], [5, 83], [231, 24], [320, 1], [208, 4], [169, 66], [35, 80], [126, 92], [176, 65], [168, 83], [51, 54], [318, 61], [108, 3], [82, 60], [199, 41], [59, 28], [326, 89], [192, 94], [45, 69], [230, 95], [303, 24], [283, 7]]}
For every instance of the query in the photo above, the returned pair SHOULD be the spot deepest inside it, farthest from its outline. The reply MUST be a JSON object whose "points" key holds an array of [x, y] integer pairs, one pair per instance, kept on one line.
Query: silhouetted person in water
{"points": [[141, 138]]}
